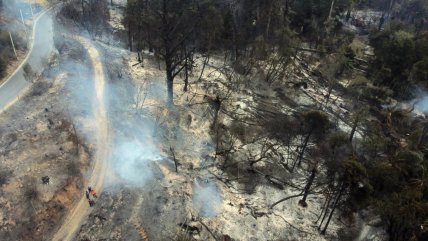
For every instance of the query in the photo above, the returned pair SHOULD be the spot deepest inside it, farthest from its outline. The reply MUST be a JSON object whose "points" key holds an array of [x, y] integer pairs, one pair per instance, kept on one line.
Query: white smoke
{"points": [[207, 198], [134, 148], [132, 161], [420, 102]]}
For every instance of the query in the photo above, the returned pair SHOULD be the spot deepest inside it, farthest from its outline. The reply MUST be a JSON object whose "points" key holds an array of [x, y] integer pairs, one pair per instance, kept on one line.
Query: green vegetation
{"points": [[400, 59]]}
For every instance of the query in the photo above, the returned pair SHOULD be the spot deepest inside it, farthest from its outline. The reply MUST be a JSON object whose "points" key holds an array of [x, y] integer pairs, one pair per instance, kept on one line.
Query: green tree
{"points": [[399, 186], [349, 180], [400, 59], [419, 72]]}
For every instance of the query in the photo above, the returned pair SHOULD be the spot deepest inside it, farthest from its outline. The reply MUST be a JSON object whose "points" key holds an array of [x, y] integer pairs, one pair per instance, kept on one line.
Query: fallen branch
{"points": [[203, 224], [298, 229], [285, 199], [173, 157], [272, 178]]}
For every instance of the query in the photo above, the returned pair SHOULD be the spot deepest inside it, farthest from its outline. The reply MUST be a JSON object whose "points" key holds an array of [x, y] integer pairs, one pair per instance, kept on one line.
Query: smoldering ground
{"points": [[139, 138], [206, 198], [131, 144]]}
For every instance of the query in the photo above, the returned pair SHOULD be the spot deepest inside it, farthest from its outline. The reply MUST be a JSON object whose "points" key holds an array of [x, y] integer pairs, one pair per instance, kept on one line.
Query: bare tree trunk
{"points": [[83, 11], [324, 207], [174, 159], [349, 11], [186, 70], [217, 106], [302, 152], [169, 83], [331, 9], [324, 212], [269, 22], [329, 91], [354, 129], [302, 202], [235, 38], [207, 58], [339, 195]]}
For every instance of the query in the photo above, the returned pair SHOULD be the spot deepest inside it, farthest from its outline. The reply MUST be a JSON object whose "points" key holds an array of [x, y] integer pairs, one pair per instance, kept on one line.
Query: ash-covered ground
{"points": [[171, 172], [40, 138], [146, 199]]}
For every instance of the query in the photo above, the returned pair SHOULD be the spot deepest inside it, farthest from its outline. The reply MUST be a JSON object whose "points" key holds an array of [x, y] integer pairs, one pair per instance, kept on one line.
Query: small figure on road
{"points": [[94, 194], [87, 195], [89, 189], [91, 203]]}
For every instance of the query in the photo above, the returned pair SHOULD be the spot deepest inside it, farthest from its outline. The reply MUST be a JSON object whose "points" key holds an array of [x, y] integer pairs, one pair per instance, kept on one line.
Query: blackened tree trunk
{"points": [[354, 129], [235, 38], [302, 152], [186, 69], [331, 9], [381, 21], [83, 10], [324, 212], [169, 82], [174, 159], [207, 58], [217, 107], [302, 202], [336, 201], [269, 22]]}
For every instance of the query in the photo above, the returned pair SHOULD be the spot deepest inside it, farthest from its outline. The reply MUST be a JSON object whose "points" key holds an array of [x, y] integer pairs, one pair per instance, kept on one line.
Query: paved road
{"points": [[40, 48]]}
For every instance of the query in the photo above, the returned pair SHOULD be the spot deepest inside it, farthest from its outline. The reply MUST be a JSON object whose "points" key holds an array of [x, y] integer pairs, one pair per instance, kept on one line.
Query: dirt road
{"points": [[76, 215]]}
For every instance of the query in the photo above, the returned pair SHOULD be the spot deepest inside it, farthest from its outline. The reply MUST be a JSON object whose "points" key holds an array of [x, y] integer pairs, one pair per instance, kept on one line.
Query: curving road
{"points": [[41, 46], [81, 210], [39, 51]]}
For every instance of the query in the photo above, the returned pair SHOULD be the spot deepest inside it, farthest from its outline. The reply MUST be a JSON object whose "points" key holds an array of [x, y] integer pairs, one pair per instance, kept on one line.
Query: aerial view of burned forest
{"points": [[213, 120]]}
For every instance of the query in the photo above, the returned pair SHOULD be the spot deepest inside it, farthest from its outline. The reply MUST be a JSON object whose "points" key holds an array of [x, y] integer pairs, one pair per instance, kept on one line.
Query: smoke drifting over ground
{"points": [[206, 198], [134, 148], [421, 103], [13, 8], [134, 154]]}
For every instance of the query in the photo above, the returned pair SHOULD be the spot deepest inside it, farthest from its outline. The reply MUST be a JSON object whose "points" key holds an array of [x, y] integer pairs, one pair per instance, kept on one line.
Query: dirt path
{"points": [[81, 211]]}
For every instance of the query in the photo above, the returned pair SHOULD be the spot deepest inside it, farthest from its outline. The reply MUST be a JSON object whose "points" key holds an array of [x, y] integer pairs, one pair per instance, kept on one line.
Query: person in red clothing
{"points": [[93, 193]]}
